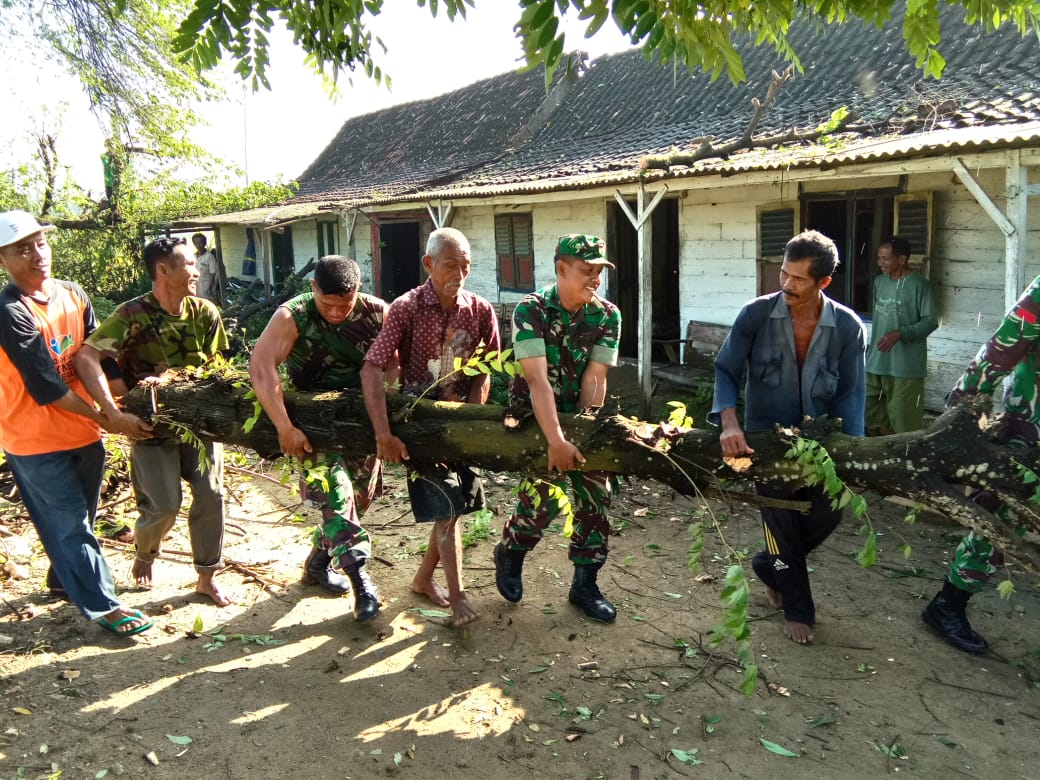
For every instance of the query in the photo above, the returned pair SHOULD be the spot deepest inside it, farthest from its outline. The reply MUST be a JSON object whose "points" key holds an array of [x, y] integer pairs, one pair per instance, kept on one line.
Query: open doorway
{"points": [[623, 249], [857, 222], [282, 260], [401, 247]]}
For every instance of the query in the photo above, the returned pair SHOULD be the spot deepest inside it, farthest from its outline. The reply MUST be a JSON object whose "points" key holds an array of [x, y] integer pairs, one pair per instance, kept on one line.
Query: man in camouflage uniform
{"points": [[322, 336], [566, 338], [166, 328], [1012, 349]]}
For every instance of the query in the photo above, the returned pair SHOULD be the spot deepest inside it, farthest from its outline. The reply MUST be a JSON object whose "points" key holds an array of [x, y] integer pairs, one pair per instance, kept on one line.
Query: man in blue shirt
{"points": [[804, 357]]}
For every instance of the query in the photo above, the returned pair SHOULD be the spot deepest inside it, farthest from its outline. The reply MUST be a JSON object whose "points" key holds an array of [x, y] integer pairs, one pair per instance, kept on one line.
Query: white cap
{"points": [[16, 225]]}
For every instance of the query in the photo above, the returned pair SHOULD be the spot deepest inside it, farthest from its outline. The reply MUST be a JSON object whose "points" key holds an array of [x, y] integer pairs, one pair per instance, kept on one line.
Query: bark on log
{"points": [[930, 467]]}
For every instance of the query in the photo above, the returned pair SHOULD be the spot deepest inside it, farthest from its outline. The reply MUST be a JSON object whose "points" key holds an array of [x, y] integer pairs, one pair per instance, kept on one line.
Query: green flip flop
{"points": [[119, 627]]}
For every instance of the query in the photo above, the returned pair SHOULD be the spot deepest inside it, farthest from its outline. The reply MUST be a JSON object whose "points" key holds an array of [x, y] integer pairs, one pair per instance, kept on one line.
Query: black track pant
{"points": [[790, 537]]}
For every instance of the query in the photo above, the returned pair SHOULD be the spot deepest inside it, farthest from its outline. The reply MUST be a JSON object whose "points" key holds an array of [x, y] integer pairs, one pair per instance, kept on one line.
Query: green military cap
{"points": [[591, 249]]}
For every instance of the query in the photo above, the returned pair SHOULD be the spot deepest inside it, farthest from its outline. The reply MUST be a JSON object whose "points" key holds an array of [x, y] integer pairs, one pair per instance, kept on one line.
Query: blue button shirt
{"points": [[832, 381]]}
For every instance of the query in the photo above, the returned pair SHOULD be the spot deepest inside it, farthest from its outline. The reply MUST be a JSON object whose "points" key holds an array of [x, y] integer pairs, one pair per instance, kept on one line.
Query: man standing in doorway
{"points": [[903, 316], [166, 328], [430, 327], [804, 357], [566, 339], [322, 337], [209, 270]]}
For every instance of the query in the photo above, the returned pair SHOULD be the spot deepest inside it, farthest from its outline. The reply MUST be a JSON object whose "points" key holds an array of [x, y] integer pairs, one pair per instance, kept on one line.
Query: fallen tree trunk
{"points": [[929, 467]]}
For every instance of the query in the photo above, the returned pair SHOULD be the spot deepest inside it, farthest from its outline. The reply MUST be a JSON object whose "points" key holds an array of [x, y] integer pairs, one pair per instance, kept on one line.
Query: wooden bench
{"points": [[703, 342]]}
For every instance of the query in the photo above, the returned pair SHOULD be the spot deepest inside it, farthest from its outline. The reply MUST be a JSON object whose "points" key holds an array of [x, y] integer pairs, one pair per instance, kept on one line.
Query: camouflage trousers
{"points": [[342, 490], [974, 561], [543, 500]]}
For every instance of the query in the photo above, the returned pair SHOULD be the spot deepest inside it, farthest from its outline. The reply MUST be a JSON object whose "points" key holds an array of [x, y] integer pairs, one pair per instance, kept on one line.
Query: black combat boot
{"points": [[317, 570], [946, 614], [366, 597], [509, 568], [585, 593]]}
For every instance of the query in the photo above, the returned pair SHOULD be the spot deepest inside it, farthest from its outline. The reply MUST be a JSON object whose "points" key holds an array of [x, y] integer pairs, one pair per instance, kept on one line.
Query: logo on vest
{"points": [[58, 346]]}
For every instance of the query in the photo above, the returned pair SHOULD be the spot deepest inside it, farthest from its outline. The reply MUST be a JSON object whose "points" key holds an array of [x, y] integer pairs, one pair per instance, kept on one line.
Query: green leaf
{"points": [[433, 613], [688, 756], [713, 719], [673, 595], [946, 741], [1006, 589], [772, 747], [197, 625], [867, 557], [822, 720], [179, 740]]}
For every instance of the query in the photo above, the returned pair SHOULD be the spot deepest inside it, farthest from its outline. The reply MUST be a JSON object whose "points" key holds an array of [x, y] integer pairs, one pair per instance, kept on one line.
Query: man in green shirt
{"points": [[566, 338], [903, 316], [166, 328]]}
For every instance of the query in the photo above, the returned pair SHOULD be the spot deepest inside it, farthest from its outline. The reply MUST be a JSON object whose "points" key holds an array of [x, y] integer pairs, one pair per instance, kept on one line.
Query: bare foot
{"points": [[142, 573], [462, 611], [775, 597], [801, 633], [207, 586], [432, 590]]}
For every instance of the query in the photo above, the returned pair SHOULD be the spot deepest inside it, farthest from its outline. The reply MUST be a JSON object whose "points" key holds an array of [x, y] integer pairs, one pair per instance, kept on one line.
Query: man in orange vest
{"points": [[48, 428]]}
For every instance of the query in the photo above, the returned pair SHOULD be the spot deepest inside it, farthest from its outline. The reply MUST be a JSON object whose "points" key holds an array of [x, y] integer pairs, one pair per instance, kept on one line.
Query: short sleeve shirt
{"points": [[38, 339], [327, 356], [568, 342], [147, 340], [429, 339]]}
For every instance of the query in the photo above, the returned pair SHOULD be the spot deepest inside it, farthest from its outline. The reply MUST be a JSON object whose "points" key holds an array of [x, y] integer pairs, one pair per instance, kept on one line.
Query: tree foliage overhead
{"points": [[336, 37], [120, 51]]}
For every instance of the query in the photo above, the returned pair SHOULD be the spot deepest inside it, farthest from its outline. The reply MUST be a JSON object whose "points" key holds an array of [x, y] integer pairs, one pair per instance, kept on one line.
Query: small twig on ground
{"points": [[933, 677], [385, 561], [257, 474], [394, 520]]}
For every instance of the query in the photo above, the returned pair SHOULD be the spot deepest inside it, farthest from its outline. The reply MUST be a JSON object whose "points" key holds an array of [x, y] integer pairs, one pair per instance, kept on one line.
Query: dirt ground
{"points": [[287, 684]]}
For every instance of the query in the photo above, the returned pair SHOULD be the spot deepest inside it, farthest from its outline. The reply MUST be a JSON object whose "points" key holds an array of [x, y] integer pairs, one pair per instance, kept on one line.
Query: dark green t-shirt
{"points": [[326, 356], [147, 340]]}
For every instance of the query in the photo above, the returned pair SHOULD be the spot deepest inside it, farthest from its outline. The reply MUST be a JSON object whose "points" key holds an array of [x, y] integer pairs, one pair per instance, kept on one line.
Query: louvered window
{"points": [[514, 247]]}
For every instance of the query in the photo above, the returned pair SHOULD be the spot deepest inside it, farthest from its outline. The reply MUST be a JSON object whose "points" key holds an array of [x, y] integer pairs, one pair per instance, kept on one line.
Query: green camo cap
{"points": [[591, 249]]}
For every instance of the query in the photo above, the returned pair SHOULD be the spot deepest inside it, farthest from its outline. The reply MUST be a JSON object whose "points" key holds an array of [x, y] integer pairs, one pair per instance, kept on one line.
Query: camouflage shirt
{"points": [[542, 327], [1013, 348], [327, 356], [147, 340]]}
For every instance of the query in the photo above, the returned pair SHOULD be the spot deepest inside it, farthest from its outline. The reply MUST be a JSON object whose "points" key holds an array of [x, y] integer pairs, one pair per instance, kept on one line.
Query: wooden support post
{"points": [[645, 235], [1015, 183]]}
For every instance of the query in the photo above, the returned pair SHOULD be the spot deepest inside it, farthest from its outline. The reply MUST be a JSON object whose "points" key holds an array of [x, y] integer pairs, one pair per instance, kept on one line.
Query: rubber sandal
{"points": [[118, 626]]}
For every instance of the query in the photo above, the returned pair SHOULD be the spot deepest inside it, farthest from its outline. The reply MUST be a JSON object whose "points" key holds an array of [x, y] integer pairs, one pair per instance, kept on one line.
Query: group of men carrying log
{"points": [[803, 354]]}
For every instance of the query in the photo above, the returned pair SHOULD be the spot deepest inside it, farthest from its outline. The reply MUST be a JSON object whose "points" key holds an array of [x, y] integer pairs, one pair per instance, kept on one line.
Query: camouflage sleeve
{"points": [[528, 329], [110, 336], [1015, 338], [605, 350]]}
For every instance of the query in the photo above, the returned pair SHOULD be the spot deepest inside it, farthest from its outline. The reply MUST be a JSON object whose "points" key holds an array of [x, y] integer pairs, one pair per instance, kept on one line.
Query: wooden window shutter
{"points": [[913, 221], [504, 251], [523, 245], [775, 228]]}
